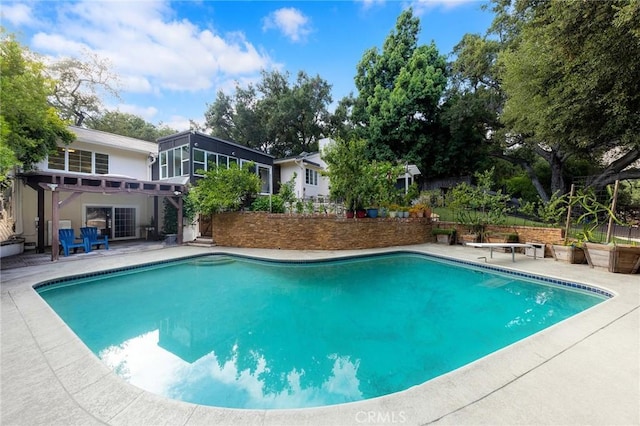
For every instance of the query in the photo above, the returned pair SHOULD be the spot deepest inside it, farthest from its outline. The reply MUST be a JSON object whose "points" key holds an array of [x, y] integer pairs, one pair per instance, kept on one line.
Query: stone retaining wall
{"points": [[526, 234], [319, 232], [316, 232]]}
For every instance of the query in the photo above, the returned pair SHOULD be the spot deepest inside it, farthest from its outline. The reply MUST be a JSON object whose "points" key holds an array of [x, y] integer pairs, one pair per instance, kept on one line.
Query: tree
{"points": [[80, 87], [398, 94], [572, 81], [225, 189], [129, 125], [30, 128], [355, 179], [273, 115]]}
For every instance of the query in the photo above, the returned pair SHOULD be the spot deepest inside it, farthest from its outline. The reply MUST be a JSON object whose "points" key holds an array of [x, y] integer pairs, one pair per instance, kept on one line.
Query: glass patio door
{"points": [[113, 222], [100, 217]]}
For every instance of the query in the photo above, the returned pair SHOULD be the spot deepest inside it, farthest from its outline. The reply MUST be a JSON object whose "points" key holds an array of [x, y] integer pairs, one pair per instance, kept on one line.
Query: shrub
{"points": [[443, 231], [262, 204]]}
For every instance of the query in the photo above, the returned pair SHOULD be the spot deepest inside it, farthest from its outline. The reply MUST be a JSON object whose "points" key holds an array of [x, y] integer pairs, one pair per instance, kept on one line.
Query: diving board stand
{"points": [[512, 246]]}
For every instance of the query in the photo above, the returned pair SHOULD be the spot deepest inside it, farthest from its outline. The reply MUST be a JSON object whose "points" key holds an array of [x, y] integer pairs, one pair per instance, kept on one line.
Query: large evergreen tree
{"points": [[399, 89]]}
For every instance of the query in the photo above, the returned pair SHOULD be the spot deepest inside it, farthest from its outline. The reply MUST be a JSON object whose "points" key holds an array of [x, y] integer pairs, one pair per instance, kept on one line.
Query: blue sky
{"points": [[172, 57]]}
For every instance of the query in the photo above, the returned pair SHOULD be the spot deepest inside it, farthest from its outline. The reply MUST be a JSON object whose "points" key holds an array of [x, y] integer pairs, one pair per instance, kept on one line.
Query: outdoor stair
{"points": [[202, 242]]}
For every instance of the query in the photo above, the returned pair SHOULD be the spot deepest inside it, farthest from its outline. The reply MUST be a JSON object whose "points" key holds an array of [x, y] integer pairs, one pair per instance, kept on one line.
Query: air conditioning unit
{"points": [[62, 224]]}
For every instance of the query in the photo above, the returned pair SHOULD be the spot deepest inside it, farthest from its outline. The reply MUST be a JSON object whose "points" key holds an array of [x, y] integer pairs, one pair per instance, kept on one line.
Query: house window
{"points": [[164, 167], [79, 161], [199, 162], [185, 160], [174, 162], [311, 177], [265, 176], [57, 161], [212, 160], [102, 164]]}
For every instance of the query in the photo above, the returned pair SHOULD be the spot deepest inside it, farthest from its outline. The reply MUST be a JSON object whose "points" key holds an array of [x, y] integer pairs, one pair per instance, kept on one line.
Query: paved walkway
{"points": [[585, 370]]}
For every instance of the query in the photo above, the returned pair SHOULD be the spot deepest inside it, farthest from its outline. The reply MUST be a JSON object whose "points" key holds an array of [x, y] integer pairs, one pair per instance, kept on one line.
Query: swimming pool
{"points": [[236, 332]]}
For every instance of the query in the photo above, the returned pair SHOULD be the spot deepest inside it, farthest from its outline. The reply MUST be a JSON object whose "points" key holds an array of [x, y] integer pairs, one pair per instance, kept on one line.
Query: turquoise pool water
{"points": [[243, 333]]}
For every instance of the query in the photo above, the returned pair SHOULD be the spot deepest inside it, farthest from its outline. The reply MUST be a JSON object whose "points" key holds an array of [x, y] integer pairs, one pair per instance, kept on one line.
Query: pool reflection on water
{"points": [[243, 333]]}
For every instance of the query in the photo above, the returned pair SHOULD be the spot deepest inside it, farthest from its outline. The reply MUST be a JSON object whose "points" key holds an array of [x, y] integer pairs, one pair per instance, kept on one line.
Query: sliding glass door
{"points": [[113, 222]]}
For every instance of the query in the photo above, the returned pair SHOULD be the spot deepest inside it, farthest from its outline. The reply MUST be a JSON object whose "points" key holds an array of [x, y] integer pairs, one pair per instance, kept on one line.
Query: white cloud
{"points": [[420, 7], [180, 123], [146, 113], [367, 4], [290, 22], [17, 14], [148, 48]]}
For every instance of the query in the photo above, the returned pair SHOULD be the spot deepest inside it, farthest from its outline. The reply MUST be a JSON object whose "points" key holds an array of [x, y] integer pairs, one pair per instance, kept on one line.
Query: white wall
{"points": [[124, 163]]}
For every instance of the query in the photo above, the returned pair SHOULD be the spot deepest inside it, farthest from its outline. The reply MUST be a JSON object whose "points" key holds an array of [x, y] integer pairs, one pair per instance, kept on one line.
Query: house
{"points": [[309, 183], [182, 157], [101, 180]]}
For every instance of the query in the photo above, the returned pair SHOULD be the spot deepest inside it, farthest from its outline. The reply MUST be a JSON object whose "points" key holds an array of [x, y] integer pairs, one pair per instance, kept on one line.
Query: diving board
{"points": [[512, 246]]}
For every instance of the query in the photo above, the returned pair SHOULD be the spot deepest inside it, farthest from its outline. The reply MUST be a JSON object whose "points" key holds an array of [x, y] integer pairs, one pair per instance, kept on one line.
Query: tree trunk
{"points": [[557, 179], [536, 182]]}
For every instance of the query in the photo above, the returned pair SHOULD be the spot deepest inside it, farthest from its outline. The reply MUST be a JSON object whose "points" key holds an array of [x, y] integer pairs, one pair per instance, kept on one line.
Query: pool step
{"points": [[213, 261], [202, 242]]}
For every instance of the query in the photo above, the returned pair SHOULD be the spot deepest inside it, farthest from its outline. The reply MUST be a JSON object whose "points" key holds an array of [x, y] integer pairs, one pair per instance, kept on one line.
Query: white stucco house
{"points": [[117, 184], [308, 168], [101, 179]]}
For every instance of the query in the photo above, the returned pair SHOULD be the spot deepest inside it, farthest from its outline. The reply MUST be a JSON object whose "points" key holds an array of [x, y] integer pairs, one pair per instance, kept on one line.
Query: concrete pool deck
{"points": [[585, 370]]}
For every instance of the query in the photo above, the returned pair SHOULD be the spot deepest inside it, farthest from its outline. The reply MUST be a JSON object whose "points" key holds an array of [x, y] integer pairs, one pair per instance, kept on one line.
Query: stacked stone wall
{"points": [[320, 232], [316, 232]]}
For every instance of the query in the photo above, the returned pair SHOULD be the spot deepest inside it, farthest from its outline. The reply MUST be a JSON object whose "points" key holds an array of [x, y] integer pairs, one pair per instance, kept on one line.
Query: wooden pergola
{"points": [[100, 184]]}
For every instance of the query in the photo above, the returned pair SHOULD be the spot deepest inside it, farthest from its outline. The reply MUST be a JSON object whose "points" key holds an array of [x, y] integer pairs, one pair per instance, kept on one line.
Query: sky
{"points": [[172, 57]]}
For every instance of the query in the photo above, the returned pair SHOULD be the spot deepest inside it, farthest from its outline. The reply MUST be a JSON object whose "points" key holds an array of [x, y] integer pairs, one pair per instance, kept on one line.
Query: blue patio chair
{"points": [[91, 234], [68, 241]]}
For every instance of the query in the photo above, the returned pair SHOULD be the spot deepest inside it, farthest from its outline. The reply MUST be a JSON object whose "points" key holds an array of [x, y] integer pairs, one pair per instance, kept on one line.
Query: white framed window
{"points": [[78, 161], [265, 177], [178, 158], [311, 177], [199, 161], [164, 165]]}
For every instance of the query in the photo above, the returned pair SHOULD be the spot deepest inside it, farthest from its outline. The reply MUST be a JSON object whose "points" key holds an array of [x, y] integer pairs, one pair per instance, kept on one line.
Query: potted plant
{"points": [[621, 258], [405, 211], [570, 251], [393, 210], [444, 235]]}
